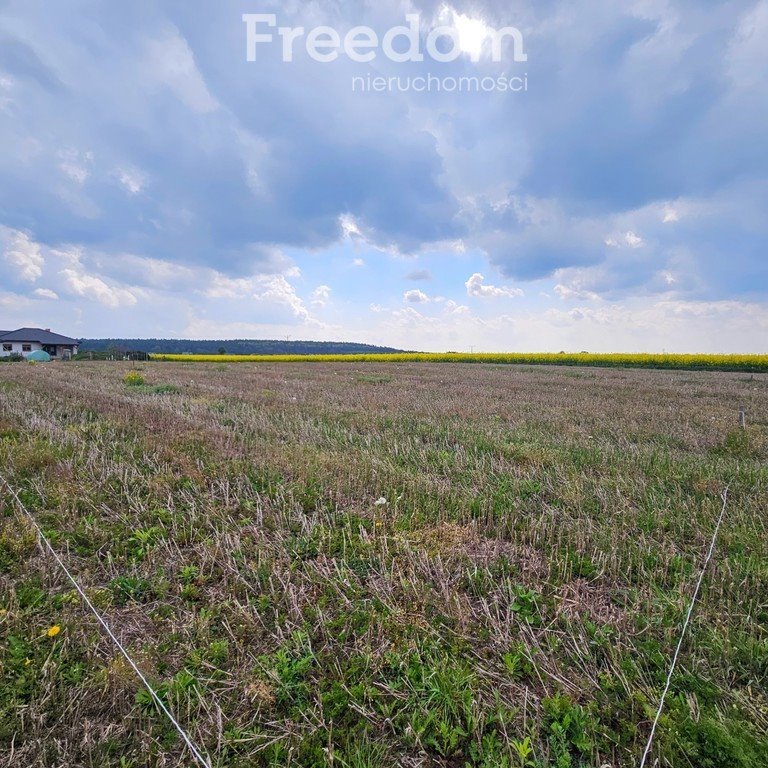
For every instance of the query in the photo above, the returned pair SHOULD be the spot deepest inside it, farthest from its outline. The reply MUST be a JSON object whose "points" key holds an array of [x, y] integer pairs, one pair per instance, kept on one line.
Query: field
{"points": [[744, 363], [389, 564]]}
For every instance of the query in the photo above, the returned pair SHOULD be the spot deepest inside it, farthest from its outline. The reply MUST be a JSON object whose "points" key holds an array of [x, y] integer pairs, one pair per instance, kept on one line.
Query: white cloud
{"points": [[476, 287], [668, 277], [276, 288], [454, 308], [575, 291], [598, 316], [358, 232], [453, 328], [147, 276], [457, 246], [321, 296], [641, 326], [23, 254], [289, 271], [630, 239], [472, 32], [94, 288], [198, 327], [45, 293], [415, 296], [154, 273], [223, 287], [349, 226], [669, 215], [131, 179], [74, 164]]}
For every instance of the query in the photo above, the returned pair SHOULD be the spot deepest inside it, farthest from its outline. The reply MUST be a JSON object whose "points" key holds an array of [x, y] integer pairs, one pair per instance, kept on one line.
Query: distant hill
{"points": [[232, 346]]}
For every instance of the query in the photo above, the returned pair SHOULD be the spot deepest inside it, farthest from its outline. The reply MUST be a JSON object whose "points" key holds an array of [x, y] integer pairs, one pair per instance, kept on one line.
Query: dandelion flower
{"points": [[53, 631]]}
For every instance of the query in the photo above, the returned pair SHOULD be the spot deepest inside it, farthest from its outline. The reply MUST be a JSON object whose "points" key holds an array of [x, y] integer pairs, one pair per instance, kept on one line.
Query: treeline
{"points": [[118, 347]]}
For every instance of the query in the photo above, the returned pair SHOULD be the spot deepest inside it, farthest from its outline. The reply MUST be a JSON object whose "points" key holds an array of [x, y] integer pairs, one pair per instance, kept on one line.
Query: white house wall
{"points": [[18, 348]]}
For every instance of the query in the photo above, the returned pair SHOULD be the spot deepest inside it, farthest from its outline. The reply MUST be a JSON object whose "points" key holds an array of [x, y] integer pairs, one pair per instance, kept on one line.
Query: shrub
{"points": [[133, 379]]}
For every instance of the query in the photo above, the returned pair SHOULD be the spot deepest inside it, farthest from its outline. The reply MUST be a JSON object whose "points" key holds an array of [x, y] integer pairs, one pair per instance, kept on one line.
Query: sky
{"points": [[154, 182]]}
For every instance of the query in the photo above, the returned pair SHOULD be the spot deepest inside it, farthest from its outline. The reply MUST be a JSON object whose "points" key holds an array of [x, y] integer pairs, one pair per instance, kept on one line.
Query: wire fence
{"points": [[196, 752]]}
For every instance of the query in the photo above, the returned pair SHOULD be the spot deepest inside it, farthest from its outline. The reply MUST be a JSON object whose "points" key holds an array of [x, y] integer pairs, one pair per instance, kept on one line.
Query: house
{"points": [[26, 340]]}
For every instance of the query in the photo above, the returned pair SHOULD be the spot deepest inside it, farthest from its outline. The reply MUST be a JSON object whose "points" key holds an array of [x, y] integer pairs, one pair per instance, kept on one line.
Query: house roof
{"points": [[40, 335]]}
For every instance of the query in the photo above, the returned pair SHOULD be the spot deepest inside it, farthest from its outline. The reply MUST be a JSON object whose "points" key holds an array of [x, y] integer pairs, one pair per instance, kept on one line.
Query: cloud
{"points": [[266, 290], [320, 296], [182, 107], [476, 287], [75, 165], [529, 238], [169, 61], [220, 286], [415, 296], [575, 291], [350, 228], [419, 274], [535, 239], [187, 177], [25, 63], [131, 179], [94, 288], [275, 288], [23, 255], [358, 262], [45, 293], [472, 33], [630, 239], [668, 277], [670, 215], [173, 277]]}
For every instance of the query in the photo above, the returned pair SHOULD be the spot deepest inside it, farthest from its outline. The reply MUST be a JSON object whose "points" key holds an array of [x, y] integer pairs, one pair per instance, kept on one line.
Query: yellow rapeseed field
{"points": [[748, 363]]}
